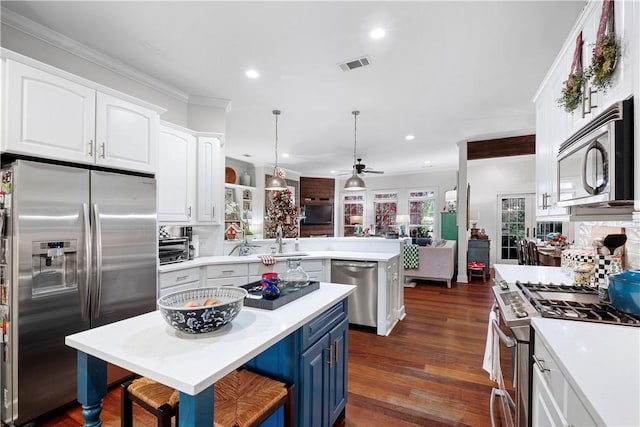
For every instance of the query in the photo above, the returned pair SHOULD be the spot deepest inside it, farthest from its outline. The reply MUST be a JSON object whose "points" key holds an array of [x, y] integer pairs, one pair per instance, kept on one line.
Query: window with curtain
{"points": [[385, 206], [422, 205], [353, 212]]}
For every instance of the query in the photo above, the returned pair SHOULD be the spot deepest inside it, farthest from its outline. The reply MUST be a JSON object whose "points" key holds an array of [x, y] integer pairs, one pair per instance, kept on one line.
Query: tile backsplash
{"points": [[582, 235]]}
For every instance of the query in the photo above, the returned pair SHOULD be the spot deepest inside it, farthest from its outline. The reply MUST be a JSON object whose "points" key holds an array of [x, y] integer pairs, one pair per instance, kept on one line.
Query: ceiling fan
{"points": [[361, 168]]}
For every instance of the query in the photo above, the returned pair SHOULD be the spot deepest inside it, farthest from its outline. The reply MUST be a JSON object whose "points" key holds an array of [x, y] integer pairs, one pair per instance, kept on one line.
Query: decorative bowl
{"points": [[624, 291], [198, 318]]}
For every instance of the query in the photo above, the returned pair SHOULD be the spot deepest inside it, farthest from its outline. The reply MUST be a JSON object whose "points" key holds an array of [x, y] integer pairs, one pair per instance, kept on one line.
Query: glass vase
{"points": [[295, 276]]}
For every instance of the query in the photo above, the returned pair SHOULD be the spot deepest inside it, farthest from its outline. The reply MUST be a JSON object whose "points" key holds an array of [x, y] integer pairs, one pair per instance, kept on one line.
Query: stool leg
{"points": [[164, 416], [289, 413], [126, 406]]}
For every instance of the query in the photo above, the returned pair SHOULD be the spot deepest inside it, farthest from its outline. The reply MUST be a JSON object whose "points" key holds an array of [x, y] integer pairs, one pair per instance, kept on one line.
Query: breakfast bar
{"points": [[148, 346]]}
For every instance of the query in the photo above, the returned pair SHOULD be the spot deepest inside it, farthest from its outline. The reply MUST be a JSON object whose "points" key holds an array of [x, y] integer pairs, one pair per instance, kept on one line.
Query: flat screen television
{"points": [[318, 214]]}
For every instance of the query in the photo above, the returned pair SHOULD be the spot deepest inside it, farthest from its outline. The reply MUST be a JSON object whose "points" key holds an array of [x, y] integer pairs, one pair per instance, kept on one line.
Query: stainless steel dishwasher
{"points": [[363, 303]]}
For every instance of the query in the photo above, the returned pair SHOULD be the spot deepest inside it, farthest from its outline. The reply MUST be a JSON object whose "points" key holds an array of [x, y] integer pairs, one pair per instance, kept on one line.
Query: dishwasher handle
{"points": [[354, 264]]}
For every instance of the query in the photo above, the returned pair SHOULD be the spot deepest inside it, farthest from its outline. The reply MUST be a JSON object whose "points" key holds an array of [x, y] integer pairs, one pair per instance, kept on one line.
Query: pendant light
{"points": [[276, 183], [354, 183]]}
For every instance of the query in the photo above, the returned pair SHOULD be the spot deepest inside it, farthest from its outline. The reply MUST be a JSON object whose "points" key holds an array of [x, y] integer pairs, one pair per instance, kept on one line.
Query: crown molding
{"points": [[47, 35], [208, 101]]}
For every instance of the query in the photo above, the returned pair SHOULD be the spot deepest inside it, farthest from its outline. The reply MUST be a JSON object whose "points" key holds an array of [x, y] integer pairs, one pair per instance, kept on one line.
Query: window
{"points": [[546, 227], [421, 212], [353, 212], [385, 206]]}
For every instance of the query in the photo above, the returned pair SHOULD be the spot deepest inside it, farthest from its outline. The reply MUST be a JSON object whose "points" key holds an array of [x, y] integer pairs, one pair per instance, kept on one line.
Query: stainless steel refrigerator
{"points": [[80, 250]]}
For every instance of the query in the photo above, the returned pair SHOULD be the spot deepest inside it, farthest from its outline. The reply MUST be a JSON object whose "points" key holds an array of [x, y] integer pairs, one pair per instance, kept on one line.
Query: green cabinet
{"points": [[449, 226]]}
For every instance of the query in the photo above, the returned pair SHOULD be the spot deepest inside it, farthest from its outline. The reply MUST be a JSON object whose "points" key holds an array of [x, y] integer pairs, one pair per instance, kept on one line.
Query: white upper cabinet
{"points": [[210, 178], [176, 176], [190, 176], [48, 116], [56, 115], [126, 134]]}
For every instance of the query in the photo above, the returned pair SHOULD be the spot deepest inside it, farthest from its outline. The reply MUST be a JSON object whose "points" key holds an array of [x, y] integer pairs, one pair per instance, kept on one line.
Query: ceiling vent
{"points": [[355, 63]]}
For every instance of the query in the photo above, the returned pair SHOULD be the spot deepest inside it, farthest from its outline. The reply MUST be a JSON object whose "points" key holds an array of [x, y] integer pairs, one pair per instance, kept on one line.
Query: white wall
{"points": [[490, 177], [437, 180]]}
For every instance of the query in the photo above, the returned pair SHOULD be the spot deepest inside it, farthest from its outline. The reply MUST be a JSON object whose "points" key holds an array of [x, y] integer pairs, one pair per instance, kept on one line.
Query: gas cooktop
{"points": [[573, 303]]}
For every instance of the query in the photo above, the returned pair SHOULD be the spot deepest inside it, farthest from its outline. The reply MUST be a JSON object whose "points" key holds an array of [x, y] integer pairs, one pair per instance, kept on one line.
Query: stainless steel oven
{"points": [[511, 326]]}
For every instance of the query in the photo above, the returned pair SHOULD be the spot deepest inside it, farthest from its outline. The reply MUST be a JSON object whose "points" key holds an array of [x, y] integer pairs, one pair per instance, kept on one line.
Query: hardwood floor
{"points": [[428, 372]]}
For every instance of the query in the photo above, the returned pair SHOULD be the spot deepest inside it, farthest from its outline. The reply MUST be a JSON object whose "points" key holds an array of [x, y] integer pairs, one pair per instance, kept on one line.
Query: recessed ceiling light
{"points": [[333, 171], [252, 74], [410, 137], [285, 154], [376, 34], [427, 162]]}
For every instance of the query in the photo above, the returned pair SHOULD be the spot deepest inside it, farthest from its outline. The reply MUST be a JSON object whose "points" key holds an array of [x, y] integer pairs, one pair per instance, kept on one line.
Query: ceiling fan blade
{"points": [[373, 171]]}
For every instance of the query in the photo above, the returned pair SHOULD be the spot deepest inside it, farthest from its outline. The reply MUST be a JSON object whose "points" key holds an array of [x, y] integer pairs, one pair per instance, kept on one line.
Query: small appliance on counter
{"points": [[173, 249]]}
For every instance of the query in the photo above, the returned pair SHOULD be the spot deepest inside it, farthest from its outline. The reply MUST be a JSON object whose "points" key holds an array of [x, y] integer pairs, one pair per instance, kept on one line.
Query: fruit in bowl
{"points": [[202, 310]]}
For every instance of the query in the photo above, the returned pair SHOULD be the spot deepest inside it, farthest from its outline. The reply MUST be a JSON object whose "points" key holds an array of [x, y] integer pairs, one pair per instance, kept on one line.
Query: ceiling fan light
{"points": [[275, 183], [354, 183]]}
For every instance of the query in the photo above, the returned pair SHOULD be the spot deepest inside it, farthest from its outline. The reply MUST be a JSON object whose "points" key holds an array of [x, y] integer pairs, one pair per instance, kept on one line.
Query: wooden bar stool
{"points": [[476, 269], [242, 398]]}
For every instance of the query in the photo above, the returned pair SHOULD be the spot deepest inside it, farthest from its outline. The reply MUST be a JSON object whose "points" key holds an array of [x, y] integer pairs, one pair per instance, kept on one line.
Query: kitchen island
{"points": [[147, 346]]}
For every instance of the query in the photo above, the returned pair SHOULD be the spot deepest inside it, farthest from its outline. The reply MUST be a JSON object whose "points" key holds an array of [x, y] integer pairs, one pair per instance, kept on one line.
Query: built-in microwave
{"points": [[595, 165]]}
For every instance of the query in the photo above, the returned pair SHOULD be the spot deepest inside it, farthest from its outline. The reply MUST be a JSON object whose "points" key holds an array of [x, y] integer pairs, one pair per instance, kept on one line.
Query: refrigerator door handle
{"points": [[84, 295], [98, 288]]}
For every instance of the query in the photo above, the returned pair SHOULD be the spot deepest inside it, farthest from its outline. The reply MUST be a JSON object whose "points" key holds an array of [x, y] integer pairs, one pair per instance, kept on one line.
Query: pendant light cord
{"points": [[355, 133], [276, 113]]}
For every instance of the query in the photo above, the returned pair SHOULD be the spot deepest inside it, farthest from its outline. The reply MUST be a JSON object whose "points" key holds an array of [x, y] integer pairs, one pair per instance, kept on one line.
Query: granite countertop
{"points": [[348, 255], [601, 363], [146, 345]]}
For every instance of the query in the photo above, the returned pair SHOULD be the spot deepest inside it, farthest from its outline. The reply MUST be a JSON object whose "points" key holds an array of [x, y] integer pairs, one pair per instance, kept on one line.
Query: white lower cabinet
{"points": [[554, 401], [179, 280], [227, 274]]}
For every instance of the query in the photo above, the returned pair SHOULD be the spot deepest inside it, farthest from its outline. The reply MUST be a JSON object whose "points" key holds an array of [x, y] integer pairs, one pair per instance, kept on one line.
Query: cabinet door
{"points": [[544, 409], [126, 134], [210, 179], [339, 337], [314, 380], [176, 177], [48, 116]]}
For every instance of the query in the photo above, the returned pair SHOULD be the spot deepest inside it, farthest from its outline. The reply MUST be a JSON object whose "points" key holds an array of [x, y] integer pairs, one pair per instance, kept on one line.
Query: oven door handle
{"points": [[506, 340], [502, 394]]}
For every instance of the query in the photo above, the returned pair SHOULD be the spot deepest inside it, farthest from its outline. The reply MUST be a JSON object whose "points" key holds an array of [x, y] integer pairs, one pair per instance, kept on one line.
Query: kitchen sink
{"points": [[290, 255]]}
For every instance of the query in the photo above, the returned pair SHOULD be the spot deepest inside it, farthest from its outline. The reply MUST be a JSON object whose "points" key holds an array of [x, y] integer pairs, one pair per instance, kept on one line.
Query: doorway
{"points": [[516, 216]]}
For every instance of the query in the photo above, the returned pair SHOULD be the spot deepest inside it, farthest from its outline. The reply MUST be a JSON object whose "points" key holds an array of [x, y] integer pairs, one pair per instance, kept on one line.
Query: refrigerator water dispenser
{"points": [[54, 267]]}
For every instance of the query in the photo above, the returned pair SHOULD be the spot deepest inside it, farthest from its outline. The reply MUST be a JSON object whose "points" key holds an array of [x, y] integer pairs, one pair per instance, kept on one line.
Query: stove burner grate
{"points": [[599, 313], [551, 287]]}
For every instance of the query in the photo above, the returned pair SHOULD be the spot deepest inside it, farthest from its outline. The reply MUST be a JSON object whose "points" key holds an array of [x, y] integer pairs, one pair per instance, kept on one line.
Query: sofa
{"points": [[435, 263]]}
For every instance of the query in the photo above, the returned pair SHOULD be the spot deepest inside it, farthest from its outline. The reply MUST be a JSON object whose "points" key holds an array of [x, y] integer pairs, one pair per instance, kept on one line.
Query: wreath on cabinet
{"points": [[571, 95], [606, 50]]}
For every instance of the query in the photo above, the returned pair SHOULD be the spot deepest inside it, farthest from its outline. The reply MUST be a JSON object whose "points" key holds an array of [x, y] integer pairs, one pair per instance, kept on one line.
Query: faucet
{"points": [[279, 233]]}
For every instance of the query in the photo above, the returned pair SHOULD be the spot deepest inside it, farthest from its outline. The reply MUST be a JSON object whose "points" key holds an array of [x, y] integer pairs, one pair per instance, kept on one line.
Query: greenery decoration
{"points": [[604, 60], [572, 91]]}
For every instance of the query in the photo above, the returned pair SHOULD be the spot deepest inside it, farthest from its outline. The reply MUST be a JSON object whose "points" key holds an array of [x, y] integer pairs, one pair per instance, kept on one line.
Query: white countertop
{"points": [[532, 273], [146, 345], [602, 364], [210, 260]]}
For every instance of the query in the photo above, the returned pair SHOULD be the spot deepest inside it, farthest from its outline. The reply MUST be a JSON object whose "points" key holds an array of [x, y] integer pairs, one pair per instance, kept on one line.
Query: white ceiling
{"points": [[445, 72]]}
